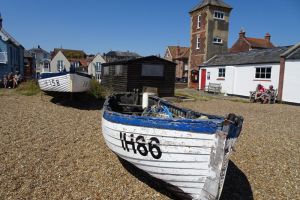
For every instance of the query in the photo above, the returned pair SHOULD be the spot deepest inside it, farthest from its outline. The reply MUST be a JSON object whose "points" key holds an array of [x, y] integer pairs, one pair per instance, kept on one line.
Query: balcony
{"points": [[3, 57]]}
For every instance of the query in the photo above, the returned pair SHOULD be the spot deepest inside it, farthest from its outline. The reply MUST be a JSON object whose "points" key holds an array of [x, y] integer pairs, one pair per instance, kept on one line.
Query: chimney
{"points": [[177, 51], [242, 34], [1, 21], [39, 46], [268, 37]]}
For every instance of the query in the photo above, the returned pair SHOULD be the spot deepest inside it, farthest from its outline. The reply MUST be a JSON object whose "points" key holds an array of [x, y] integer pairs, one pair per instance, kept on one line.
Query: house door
{"points": [[203, 79]]}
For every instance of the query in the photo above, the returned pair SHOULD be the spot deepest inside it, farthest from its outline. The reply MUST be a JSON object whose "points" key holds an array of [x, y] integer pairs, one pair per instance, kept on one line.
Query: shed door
{"points": [[203, 79]]}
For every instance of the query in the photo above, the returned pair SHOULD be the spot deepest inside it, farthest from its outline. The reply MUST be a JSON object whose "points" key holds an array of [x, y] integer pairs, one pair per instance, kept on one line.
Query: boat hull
{"points": [[64, 82], [194, 163]]}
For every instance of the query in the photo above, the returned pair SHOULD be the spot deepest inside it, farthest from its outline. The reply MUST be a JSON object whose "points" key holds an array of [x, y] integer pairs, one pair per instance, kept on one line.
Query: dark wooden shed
{"points": [[151, 71]]}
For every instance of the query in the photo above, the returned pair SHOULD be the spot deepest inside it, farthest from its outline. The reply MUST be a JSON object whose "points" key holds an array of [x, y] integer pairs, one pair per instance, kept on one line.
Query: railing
{"points": [[3, 57]]}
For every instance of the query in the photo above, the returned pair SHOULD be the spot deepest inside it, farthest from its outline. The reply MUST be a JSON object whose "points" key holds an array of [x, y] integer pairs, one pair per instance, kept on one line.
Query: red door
{"points": [[203, 79]]}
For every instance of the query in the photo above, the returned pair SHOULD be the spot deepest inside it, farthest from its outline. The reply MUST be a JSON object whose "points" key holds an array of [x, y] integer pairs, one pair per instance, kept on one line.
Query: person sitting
{"points": [[10, 80], [15, 80], [5, 80], [260, 89]]}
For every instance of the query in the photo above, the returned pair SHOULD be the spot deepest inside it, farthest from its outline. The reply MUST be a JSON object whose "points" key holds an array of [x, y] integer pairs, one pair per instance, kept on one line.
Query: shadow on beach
{"points": [[82, 101], [236, 186]]}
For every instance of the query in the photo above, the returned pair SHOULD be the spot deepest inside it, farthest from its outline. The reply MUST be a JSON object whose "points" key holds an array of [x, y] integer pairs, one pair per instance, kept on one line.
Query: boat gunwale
{"points": [[46, 75], [203, 126]]}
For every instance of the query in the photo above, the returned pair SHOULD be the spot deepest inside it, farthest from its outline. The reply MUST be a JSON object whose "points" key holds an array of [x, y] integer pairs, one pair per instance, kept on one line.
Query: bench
{"points": [[214, 88]]}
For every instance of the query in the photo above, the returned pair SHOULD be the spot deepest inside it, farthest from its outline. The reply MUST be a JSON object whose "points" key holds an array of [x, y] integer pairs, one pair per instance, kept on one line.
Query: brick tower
{"points": [[209, 34]]}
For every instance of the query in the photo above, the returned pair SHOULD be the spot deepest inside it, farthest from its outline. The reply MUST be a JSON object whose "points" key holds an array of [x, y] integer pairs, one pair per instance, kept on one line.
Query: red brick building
{"points": [[246, 43], [179, 55], [209, 34]]}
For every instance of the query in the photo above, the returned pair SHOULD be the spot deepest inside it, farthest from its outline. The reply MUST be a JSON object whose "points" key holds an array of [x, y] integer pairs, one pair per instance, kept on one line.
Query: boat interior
{"points": [[132, 104]]}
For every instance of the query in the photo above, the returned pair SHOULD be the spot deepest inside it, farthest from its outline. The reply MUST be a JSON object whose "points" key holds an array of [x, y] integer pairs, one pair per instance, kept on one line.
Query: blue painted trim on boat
{"points": [[190, 125], [50, 75]]}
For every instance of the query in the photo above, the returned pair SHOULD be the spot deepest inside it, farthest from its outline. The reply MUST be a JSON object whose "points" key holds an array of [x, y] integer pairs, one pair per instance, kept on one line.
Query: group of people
{"points": [[264, 95], [11, 80]]}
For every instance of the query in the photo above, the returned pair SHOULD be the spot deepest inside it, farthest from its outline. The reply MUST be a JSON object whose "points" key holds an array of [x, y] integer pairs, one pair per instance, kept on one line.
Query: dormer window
{"points": [[199, 22], [217, 40], [219, 15]]}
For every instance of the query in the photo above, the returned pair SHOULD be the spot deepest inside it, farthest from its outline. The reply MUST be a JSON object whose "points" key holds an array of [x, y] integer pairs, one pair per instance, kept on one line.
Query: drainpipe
{"points": [[281, 78]]}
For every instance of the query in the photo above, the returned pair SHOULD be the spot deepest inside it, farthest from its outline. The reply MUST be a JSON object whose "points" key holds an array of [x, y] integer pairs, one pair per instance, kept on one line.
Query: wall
{"points": [[291, 83], [59, 56], [91, 67], [132, 78], [240, 80], [165, 84]]}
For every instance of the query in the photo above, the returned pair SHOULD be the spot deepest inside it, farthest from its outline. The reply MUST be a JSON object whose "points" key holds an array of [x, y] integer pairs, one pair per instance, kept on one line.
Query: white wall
{"points": [[240, 79], [91, 67], [59, 56], [291, 83], [245, 80]]}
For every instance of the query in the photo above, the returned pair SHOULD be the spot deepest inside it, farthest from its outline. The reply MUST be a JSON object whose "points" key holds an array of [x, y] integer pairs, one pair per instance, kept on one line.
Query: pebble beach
{"points": [[50, 150]]}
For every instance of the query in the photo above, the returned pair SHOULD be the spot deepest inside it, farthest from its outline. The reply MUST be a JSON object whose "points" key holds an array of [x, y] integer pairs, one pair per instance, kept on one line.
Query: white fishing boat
{"points": [[187, 150], [65, 82]]}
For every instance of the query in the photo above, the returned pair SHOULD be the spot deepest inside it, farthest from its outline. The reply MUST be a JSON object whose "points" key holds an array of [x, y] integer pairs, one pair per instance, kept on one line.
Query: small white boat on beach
{"points": [[65, 82], [187, 150]]}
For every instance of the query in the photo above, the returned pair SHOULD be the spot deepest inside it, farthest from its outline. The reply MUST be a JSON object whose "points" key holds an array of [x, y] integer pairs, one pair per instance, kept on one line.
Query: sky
{"points": [[146, 27]]}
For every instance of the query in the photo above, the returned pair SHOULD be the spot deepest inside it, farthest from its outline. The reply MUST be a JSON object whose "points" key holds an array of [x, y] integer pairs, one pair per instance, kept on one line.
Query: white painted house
{"points": [[239, 73], [94, 67], [289, 89], [59, 62]]}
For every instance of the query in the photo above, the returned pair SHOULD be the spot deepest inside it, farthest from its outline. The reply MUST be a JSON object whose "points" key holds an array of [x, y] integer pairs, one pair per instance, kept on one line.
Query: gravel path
{"points": [[50, 151]]}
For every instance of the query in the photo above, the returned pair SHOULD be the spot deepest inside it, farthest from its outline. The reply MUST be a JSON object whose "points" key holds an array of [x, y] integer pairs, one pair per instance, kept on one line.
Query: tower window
{"points": [[219, 15], [199, 22], [217, 40], [198, 43]]}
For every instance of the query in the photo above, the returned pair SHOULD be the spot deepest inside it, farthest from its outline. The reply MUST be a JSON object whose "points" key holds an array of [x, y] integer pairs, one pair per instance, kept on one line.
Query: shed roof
{"points": [[122, 54], [204, 3], [8, 37], [292, 53], [256, 56], [147, 58]]}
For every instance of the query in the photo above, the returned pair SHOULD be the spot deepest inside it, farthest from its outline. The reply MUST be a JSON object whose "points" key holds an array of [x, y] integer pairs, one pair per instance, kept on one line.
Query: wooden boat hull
{"points": [[191, 155], [64, 82]]}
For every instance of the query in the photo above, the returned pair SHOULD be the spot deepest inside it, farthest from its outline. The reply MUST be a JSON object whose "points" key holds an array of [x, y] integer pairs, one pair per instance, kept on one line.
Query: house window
{"points": [[98, 67], [208, 76], [263, 72], [219, 15], [222, 72], [199, 22], [198, 43], [153, 70], [76, 64], [98, 76], [46, 65], [105, 71], [60, 65], [217, 40], [118, 70]]}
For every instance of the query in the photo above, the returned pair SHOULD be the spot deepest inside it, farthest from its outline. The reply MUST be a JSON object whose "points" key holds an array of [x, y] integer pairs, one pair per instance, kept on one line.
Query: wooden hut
{"points": [[140, 73]]}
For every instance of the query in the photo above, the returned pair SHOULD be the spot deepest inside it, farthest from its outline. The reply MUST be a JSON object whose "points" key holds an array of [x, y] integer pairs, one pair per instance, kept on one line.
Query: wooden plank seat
{"points": [[214, 88]]}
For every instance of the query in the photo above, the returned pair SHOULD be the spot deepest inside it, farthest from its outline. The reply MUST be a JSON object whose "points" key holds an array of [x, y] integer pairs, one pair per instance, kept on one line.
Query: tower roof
{"points": [[204, 3]]}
